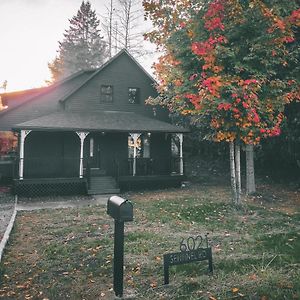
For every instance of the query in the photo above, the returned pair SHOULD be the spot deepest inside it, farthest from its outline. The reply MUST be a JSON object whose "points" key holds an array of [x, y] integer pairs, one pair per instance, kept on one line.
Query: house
{"points": [[93, 132]]}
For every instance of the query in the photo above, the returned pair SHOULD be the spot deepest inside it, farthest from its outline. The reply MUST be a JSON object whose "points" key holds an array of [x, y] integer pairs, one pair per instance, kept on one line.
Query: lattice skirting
{"points": [[50, 186]]}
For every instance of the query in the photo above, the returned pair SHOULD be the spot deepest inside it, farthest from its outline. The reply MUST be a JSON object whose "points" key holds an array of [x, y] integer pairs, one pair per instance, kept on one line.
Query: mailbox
{"points": [[120, 209]]}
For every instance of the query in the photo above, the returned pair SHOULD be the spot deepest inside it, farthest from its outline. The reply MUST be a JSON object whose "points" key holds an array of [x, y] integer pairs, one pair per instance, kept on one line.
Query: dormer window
{"points": [[106, 93], [134, 95]]}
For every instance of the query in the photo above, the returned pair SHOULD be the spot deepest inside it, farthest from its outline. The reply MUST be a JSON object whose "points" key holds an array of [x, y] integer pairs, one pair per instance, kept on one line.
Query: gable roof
{"points": [[19, 98], [42, 111], [44, 101], [122, 52], [30, 104], [12, 99], [99, 121]]}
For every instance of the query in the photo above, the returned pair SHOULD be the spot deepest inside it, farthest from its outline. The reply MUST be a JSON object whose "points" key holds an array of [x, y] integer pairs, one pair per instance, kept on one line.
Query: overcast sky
{"points": [[30, 31]]}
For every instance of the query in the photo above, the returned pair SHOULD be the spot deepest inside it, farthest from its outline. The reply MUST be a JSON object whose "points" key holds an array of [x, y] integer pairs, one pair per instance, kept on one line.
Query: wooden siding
{"points": [[121, 73]]}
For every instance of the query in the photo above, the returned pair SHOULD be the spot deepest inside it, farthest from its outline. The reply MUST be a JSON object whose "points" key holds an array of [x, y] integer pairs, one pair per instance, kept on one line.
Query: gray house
{"points": [[93, 132]]}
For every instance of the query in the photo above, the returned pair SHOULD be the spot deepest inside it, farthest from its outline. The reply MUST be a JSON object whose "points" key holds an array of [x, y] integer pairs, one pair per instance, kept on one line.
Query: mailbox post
{"points": [[121, 211]]}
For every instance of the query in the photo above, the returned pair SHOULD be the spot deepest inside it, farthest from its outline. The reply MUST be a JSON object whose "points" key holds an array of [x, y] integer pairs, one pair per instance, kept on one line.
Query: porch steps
{"points": [[103, 185], [97, 172]]}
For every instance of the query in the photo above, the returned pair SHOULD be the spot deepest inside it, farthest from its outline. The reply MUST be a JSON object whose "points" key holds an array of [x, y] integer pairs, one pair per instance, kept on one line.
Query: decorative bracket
{"points": [[135, 137], [23, 136], [82, 135], [180, 137]]}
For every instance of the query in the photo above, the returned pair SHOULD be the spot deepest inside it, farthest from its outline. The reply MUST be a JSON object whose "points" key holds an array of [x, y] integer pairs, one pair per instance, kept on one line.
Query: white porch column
{"points": [[82, 135], [24, 133], [135, 137], [180, 136]]}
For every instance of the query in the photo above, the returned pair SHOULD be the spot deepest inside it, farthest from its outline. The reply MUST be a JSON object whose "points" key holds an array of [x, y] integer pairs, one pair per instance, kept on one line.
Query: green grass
{"points": [[67, 254]]}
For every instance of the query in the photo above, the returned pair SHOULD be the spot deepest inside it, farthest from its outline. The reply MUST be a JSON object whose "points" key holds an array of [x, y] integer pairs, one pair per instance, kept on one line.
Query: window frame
{"points": [[138, 96], [106, 96]]}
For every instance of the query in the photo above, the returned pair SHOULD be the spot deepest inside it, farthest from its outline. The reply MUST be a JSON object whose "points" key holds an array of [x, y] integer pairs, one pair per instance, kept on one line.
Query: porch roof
{"points": [[99, 121]]}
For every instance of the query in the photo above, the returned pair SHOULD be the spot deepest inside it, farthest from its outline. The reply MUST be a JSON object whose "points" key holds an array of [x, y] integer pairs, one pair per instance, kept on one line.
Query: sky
{"points": [[30, 31]]}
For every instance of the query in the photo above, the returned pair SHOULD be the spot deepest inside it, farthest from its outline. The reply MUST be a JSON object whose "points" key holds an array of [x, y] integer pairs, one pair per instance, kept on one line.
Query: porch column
{"points": [[82, 135], [135, 137], [23, 136], [180, 136]]}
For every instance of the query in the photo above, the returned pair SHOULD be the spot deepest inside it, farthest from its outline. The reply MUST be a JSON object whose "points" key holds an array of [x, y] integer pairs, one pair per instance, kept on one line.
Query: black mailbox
{"points": [[120, 209]]}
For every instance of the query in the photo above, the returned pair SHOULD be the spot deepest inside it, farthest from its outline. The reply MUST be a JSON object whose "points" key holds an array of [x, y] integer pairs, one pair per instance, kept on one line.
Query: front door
{"points": [[94, 152]]}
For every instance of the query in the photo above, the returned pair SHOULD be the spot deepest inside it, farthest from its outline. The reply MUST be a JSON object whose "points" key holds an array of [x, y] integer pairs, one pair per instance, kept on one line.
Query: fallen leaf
{"points": [[253, 277], [234, 290]]}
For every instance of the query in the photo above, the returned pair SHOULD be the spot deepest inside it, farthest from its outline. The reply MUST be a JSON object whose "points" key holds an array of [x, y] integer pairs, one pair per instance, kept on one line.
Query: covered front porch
{"points": [[98, 157]]}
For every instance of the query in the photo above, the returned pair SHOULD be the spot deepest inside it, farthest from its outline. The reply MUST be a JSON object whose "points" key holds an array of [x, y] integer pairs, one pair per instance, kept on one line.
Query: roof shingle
{"points": [[99, 121]]}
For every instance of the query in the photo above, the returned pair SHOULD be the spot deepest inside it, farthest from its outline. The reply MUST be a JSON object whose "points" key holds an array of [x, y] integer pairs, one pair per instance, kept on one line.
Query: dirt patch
{"points": [[189, 189], [278, 197]]}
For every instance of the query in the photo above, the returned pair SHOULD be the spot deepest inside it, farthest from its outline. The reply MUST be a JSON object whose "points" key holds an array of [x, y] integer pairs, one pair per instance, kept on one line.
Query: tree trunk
{"points": [[110, 29], [238, 172], [232, 172], [250, 174]]}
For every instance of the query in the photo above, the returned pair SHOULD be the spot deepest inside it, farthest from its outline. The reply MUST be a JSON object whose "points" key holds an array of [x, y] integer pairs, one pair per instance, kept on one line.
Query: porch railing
{"points": [[150, 166], [51, 167]]}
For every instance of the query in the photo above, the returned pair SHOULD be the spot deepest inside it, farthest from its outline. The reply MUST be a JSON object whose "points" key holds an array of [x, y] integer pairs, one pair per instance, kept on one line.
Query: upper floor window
{"points": [[133, 95], [106, 93]]}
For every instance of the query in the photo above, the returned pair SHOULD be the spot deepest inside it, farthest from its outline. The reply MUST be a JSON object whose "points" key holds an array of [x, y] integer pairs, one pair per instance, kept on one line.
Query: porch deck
{"points": [[34, 187]]}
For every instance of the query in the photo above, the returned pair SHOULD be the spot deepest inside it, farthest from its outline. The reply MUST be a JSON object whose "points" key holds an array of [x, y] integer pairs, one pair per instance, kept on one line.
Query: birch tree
{"points": [[125, 27]]}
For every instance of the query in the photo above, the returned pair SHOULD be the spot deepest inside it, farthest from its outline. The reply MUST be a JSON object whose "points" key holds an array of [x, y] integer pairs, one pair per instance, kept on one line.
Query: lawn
{"points": [[67, 253]]}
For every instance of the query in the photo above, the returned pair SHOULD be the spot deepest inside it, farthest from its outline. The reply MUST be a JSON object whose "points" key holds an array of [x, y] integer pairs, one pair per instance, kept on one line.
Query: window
{"points": [[91, 147], [133, 95], [175, 144], [106, 93], [142, 146]]}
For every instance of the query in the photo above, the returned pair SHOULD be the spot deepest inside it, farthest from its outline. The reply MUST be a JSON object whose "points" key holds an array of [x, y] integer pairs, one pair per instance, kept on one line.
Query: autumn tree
{"points": [[82, 47], [227, 64]]}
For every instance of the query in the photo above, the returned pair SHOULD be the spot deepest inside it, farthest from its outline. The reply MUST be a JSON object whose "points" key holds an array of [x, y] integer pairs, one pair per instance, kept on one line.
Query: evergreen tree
{"points": [[82, 48]]}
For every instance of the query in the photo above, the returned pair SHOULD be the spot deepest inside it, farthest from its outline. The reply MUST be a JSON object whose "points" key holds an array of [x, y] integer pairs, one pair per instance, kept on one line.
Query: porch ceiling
{"points": [[99, 121]]}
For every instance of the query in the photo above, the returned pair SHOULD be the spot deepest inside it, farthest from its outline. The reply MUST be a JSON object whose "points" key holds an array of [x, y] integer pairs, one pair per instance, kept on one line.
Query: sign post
{"points": [[118, 258], [190, 251]]}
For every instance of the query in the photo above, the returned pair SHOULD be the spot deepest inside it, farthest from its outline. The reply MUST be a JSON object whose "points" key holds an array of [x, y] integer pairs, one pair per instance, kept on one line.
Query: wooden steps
{"points": [[102, 184]]}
